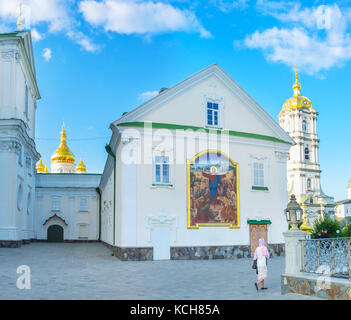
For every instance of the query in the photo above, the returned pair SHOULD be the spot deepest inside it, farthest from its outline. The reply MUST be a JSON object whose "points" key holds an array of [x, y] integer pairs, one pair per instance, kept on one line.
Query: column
{"points": [[71, 221], [293, 258]]}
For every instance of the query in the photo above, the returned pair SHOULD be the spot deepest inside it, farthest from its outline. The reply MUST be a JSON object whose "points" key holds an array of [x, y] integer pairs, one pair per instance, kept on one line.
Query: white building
{"points": [[18, 154], [198, 172], [299, 118], [343, 208], [34, 206], [67, 207]]}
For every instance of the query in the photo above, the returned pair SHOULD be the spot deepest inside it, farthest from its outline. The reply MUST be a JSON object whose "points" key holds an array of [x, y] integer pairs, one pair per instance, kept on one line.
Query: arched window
{"points": [[304, 125], [20, 197], [307, 153], [309, 184], [29, 202]]}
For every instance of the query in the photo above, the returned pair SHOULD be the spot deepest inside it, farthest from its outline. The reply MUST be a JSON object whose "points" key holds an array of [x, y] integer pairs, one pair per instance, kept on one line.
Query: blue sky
{"points": [[98, 59]]}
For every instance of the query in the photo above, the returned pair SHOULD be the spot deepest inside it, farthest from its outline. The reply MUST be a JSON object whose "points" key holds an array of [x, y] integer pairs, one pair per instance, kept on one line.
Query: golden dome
{"points": [[81, 166], [297, 101], [350, 183], [40, 167], [63, 154], [46, 169]]}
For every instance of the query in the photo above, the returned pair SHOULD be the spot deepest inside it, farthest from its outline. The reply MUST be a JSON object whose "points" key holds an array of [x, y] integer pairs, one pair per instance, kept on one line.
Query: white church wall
{"points": [[134, 217], [71, 199], [189, 108]]}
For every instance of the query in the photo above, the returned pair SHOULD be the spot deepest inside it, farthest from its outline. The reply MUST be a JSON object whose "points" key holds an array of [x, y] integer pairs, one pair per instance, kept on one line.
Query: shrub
{"points": [[325, 228], [346, 231]]}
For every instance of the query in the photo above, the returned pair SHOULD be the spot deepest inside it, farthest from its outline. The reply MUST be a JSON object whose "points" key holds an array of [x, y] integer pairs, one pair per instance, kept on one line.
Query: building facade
{"points": [[18, 154], [299, 118], [343, 207], [67, 207], [197, 172]]}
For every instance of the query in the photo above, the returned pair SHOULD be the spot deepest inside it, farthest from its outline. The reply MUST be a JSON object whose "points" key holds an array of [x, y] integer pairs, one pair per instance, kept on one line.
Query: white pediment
{"points": [[185, 104]]}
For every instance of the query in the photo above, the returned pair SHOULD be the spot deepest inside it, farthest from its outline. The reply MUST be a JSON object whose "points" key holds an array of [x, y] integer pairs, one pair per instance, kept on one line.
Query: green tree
{"points": [[327, 224]]}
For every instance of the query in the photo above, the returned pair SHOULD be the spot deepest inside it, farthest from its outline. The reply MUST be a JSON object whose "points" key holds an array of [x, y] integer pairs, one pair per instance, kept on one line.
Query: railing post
{"points": [[349, 258], [318, 260], [333, 257], [302, 254]]}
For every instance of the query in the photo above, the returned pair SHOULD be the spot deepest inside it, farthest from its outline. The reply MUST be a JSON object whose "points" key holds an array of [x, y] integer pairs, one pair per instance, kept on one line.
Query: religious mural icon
{"points": [[213, 192]]}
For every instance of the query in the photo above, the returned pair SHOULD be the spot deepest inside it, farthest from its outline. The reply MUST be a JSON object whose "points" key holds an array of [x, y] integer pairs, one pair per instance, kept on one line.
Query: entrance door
{"points": [[161, 243], [257, 231], [55, 233]]}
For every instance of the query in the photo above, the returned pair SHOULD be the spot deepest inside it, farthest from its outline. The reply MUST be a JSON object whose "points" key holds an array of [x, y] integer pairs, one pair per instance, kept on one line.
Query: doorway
{"points": [[257, 231], [55, 233], [161, 243]]}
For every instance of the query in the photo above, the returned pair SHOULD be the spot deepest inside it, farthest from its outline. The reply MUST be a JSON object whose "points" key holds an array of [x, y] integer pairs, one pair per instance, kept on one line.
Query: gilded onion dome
{"points": [[297, 101], [63, 154], [81, 166], [40, 167]]}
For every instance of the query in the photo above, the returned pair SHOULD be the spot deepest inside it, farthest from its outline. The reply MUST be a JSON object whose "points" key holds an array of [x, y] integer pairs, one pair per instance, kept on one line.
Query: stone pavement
{"points": [[89, 271]]}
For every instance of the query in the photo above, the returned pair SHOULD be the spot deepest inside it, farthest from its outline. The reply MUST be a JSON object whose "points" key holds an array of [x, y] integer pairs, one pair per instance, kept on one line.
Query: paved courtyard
{"points": [[89, 271]]}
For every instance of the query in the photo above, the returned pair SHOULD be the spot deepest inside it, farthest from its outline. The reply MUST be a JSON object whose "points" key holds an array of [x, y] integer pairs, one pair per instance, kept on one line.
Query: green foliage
{"points": [[346, 231], [327, 224]]}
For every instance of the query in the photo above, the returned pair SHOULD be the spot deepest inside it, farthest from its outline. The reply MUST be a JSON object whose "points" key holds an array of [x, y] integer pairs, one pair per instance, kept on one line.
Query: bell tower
{"points": [[299, 118], [18, 154]]}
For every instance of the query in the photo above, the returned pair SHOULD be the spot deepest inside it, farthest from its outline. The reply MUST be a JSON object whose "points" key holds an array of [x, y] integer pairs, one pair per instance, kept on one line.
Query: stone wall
{"points": [[319, 286], [220, 252], [193, 253]]}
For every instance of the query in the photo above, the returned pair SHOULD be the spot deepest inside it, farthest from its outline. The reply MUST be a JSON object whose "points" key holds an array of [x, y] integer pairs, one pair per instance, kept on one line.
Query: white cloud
{"points": [[83, 40], [140, 17], [53, 12], [36, 36], [148, 95], [228, 5], [47, 54], [316, 39], [56, 15]]}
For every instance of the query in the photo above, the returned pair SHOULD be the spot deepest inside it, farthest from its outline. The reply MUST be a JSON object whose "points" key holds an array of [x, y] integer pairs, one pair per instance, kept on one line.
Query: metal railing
{"points": [[327, 256]]}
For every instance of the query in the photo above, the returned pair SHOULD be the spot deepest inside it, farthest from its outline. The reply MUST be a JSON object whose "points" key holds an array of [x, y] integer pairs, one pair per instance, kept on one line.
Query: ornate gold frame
{"points": [[236, 165]]}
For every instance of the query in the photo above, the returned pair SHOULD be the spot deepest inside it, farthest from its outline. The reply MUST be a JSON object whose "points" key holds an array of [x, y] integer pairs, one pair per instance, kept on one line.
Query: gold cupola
{"points": [[63, 154], [40, 167], [81, 168], [297, 101]]}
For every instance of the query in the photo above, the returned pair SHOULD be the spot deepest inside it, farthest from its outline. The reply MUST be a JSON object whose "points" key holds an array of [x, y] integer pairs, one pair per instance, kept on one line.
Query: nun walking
{"points": [[261, 255]]}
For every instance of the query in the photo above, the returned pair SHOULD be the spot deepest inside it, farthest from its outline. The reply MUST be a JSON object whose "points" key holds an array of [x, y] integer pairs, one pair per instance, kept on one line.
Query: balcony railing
{"points": [[327, 256]]}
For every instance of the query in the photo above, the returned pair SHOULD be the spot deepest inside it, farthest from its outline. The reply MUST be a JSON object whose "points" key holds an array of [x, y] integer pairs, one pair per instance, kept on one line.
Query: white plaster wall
{"points": [[69, 189], [172, 201], [189, 108]]}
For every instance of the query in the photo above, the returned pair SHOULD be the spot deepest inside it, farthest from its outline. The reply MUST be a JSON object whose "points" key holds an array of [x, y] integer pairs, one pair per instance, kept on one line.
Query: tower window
{"points": [[304, 125], [309, 185], [307, 154]]}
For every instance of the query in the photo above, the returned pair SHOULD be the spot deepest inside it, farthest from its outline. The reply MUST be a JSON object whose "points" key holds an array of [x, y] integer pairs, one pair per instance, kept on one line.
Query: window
{"points": [[161, 170], [20, 197], [55, 204], [309, 185], [83, 204], [83, 231], [307, 153], [212, 114], [304, 125], [20, 155], [258, 174]]}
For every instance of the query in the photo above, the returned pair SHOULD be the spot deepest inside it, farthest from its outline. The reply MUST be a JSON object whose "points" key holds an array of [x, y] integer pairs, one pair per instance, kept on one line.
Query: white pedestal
{"points": [[293, 258]]}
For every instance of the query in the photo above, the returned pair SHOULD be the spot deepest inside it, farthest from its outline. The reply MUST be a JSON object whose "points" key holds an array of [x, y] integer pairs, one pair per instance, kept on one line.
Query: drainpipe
{"points": [[110, 152], [99, 192]]}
